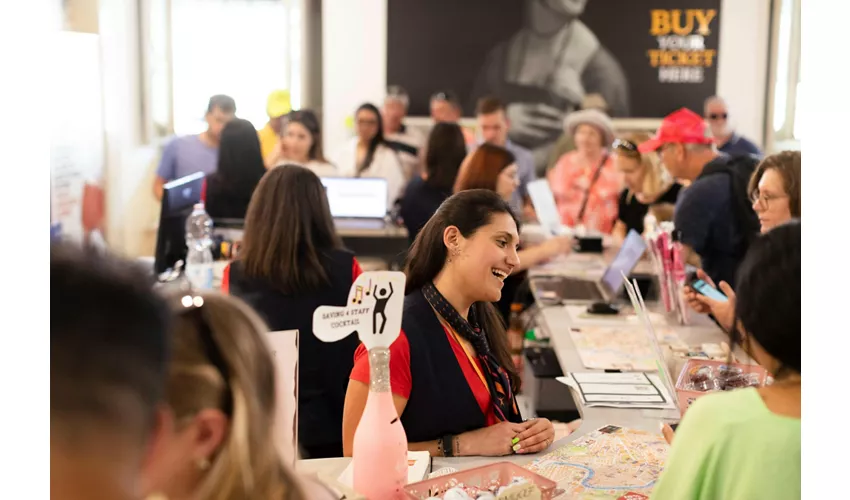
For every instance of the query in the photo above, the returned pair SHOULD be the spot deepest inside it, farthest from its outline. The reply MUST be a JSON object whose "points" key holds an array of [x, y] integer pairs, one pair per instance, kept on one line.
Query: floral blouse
{"points": [[570, 179]]}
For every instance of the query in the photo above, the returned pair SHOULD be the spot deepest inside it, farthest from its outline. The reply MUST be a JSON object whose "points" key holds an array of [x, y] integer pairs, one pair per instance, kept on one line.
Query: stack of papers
{"points": [[418, 467], [620, 390]]}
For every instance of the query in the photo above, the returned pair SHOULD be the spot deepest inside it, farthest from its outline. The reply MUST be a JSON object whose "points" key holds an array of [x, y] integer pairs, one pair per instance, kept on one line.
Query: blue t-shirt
{"points": [[706, 219], [185, 156], [738, 145]]}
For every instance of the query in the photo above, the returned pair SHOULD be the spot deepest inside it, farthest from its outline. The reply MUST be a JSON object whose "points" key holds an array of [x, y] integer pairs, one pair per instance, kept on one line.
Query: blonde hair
{"points": [[656, 179], [247, 464]]}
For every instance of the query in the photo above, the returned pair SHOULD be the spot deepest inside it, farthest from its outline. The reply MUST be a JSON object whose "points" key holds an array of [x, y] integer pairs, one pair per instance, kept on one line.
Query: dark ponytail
{"points": [[468, 211], [769, 296]]}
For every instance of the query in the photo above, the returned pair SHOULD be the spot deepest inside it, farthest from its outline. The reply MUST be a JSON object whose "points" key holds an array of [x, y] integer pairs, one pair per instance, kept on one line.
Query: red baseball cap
{"points": [[683, 127]]}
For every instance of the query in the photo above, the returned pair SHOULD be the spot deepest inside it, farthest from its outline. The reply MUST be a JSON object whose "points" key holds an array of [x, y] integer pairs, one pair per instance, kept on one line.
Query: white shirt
{"points": [[385, 165]]}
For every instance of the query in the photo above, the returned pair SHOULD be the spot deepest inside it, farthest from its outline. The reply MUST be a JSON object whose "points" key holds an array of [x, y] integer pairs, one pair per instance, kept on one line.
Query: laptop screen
{"points": [[544, 205], [356, 197], [625, 261]]}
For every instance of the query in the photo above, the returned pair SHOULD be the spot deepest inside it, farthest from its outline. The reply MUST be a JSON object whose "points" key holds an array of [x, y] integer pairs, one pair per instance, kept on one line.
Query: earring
{"points": [[453, 254], [203, 464]]}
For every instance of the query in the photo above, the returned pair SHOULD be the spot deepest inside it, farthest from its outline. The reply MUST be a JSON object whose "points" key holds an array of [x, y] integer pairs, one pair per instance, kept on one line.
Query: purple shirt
{"points": [[185, 156]]}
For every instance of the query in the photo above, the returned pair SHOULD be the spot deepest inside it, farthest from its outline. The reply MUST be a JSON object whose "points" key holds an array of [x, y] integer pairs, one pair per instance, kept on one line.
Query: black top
{"points": [[323, 368], [632, 211], [441, 401], [419, 203], [225, 202]]}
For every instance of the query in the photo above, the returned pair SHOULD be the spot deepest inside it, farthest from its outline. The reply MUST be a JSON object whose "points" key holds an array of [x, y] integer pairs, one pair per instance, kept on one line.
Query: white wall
{"points": [[744, 57], [130, 206], [355, 60]]}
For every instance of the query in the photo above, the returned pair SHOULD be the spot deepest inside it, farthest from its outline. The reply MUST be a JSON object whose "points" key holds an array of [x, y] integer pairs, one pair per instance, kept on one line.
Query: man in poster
{"points": [[545, 70]]}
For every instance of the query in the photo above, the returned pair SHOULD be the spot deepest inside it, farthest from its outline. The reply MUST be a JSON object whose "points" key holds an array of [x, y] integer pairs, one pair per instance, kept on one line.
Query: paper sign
{"points": [[374, 310], [284, 347], [524, 491]]}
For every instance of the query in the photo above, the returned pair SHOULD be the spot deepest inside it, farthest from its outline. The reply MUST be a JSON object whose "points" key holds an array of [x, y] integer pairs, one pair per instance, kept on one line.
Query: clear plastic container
{"points": [[497, 474], [199, 258]]}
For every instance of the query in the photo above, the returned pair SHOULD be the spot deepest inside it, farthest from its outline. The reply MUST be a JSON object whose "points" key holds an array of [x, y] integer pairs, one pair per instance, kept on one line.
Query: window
{"points": [[242, 48]]}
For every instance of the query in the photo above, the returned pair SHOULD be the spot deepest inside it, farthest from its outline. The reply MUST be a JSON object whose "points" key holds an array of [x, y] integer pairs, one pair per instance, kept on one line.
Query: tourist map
{"points": [[606, 464], [619, 348]]}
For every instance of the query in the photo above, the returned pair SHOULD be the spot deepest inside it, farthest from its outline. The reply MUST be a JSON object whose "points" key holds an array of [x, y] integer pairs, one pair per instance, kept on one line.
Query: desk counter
{"points": [[556, 321]]}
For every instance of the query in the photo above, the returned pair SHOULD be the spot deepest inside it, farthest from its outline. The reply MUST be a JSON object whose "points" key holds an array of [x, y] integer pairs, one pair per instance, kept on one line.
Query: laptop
{"points": [[544, 205], [608, 287], [357, 202]]}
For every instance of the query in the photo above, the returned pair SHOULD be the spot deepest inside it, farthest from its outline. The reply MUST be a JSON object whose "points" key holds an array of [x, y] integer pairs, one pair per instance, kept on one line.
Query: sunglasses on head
{"points": [[715, 116], [626, 145], [193, 310]]}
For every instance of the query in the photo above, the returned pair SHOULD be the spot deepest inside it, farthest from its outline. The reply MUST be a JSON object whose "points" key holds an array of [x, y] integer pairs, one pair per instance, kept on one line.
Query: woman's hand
{"points": [[692, 297], [559, 245], [668, 432], [491, 441], [537, 437], [723, 310]]}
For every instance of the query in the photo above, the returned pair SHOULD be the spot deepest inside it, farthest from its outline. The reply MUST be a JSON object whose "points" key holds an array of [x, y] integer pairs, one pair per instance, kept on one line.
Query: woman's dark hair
{"points": [[288, 229], [482, 170], [310, 121], [787, 165], [376, 141], [468, 211], [240, 168], [445, 152], [769, 295]]}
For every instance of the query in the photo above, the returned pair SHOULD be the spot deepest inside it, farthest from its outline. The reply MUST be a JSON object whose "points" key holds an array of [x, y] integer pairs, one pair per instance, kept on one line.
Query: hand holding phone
{"points": [[705, 298], [704, 287]]}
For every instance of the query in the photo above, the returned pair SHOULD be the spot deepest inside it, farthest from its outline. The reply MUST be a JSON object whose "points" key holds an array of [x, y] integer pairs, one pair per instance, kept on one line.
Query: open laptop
{"points": [[609, 286], [357, 202], [545, 207]]}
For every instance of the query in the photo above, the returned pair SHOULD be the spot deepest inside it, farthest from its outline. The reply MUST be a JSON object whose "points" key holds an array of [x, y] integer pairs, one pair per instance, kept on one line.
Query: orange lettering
{"points": [[704, 18], [660, 22]]}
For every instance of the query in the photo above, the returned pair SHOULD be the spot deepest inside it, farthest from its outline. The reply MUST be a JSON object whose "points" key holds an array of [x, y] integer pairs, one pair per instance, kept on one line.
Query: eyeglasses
{"points": [[716, 116], [764, 199], [625, 144], [192, 308]]}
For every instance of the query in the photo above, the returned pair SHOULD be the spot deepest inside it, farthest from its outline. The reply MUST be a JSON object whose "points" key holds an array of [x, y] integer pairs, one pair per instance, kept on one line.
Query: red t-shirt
{"points": [[401, 381], [225, 276]]}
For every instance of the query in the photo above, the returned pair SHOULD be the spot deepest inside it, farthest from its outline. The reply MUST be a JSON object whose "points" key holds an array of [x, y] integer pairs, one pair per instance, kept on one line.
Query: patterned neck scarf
{"points": [[498, 380]]}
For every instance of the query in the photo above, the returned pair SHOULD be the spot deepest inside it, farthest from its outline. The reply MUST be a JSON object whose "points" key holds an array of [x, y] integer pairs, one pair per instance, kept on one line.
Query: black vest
{"points": [[324, 368], [441, 401]]}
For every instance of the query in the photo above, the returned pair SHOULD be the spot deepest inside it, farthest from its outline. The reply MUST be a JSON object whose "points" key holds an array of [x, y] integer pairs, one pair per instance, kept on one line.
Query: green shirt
{"points": [[730, 446]]}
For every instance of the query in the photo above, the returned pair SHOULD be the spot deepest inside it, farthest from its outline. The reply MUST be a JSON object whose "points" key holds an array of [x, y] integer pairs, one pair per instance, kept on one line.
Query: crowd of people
{"points": [[176, 395]]}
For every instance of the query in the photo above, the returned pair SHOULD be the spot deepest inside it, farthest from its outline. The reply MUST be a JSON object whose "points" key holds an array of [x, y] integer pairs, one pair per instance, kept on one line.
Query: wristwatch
{"points": [[447, 442]]}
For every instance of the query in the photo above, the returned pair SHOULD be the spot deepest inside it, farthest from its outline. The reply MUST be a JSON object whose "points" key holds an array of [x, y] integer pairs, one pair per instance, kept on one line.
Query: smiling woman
{"points": [[451, 375]]}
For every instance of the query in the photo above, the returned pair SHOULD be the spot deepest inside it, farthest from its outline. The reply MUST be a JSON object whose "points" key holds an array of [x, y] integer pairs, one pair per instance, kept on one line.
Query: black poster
{"points": [[644, 58]]}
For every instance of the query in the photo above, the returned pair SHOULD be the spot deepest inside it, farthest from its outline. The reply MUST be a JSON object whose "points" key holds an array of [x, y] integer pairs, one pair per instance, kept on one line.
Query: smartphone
{"points": [[700, 286], [709, 291]]}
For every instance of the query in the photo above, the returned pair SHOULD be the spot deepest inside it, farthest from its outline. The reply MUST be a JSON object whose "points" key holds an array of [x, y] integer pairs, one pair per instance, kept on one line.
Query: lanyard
{"points": [[468, 356]]}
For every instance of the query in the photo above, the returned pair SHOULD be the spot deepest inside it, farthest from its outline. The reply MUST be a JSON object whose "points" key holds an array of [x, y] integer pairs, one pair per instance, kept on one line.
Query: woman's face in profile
{"points": [[632, 170], [507, 182], [487, 258]]}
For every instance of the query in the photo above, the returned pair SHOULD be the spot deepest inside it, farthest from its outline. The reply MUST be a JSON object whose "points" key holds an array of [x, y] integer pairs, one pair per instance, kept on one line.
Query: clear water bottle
{"points": [[199, 258]]}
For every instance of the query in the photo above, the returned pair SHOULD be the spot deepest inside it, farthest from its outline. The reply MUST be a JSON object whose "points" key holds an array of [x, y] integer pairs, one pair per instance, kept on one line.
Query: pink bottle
{"points": [[380, 444]]}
